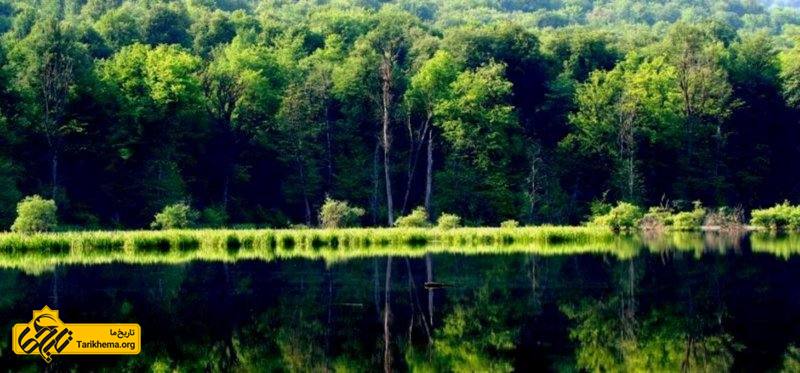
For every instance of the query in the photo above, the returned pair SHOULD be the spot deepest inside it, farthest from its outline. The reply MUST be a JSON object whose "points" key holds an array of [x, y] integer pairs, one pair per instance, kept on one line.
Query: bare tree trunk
{"points": [[225, 185], [413, 161], [386, 76], [305, 194], [329, 150], [533, 184], [375, 186], [54, 172], [56, 76], [429, 174], [627, 148]]}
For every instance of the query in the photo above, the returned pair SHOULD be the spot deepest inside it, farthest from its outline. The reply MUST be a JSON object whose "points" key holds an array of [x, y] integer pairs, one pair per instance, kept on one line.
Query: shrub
{"points": [[624, 216], [448, 221], [417, 218], [657, 218], [511, 223], [214, 216], [726, 218], [176, 216], [339, 214], [779, 217], [689, 220], [35, 214]]}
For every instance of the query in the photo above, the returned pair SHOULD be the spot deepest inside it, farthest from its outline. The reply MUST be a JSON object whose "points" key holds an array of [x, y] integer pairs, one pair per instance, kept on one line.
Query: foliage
{"points": [[339, 214], [726, 218], [35, 214], [175, 216], [689, 220], [531, 110], [782, 216], [448, 221], [657, 218], [417, 218], [214, 216], [622, 217], [509, 224]]}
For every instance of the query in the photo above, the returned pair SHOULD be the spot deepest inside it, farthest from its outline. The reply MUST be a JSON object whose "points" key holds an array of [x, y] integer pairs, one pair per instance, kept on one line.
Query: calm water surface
{"points": [[671, 311]]}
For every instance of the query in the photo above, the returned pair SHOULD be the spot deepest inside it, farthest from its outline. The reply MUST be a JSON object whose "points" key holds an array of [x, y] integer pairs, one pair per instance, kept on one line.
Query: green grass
{"points": [[330, 244], [41, 252]]}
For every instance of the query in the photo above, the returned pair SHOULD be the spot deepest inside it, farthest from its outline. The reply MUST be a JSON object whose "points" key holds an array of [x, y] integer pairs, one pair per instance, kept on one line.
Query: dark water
{"points": [[733, 311]]}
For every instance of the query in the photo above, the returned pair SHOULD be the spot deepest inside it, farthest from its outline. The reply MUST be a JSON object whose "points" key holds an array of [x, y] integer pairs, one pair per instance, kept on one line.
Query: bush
{"points": [[417, 218], [339, 214], [779, 217], [511, 223], [35, 214], [176, 216], [657, 218], [726, 218], [214, 217], [448, 221], [624, 216], [689, 220]]}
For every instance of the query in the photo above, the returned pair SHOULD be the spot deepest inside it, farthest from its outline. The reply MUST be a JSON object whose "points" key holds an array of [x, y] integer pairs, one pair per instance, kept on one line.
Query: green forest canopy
{"points": [[257, 110]]}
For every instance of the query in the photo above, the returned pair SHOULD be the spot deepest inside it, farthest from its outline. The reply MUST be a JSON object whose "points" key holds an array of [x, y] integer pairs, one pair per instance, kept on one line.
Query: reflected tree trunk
{"points": [[376, 285], [329, 274], [387, 316], [416, 305], [429, 278], [54, 291]]}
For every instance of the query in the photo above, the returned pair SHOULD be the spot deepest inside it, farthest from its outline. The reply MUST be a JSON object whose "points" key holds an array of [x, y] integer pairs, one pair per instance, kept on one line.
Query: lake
{"points": [[728, 306]]}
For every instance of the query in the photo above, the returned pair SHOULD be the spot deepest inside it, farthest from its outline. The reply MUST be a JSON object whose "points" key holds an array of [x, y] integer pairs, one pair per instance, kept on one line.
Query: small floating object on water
{"points": [[349, 304], [436, 285]]}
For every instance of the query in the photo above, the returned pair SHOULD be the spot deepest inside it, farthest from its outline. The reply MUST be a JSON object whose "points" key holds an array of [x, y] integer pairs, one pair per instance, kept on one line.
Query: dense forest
{"points": [[254, 112]]}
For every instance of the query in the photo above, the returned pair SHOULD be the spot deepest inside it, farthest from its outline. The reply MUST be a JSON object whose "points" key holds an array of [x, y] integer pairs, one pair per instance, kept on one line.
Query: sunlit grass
{"points": [[42, 252]]}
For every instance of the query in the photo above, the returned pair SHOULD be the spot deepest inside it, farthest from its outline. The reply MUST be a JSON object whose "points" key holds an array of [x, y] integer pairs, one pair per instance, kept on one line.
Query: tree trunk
{"points": [[413, 160], [225, 193], [386, 76], [54, 173], [375, 186], [305, 193], [328, 149], [429, 174]]}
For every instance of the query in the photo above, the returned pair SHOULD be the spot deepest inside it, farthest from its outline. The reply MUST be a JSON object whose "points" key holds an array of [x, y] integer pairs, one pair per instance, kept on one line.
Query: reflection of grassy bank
{"points": [[782, 245]]}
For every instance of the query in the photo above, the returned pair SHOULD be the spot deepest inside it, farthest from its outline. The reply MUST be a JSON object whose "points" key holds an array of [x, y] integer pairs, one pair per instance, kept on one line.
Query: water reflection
{"points": [[702, 309]]}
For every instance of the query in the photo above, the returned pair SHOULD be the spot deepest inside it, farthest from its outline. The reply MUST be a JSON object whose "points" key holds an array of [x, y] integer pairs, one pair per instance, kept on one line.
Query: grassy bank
{"points": [[216, 240], [38, 252], [42, 252]]}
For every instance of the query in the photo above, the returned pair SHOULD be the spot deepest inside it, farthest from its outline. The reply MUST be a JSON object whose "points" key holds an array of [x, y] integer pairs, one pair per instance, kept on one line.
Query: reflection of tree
{"points": [[791, 359], [474, 338], [614, 334], [662, 341]]}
